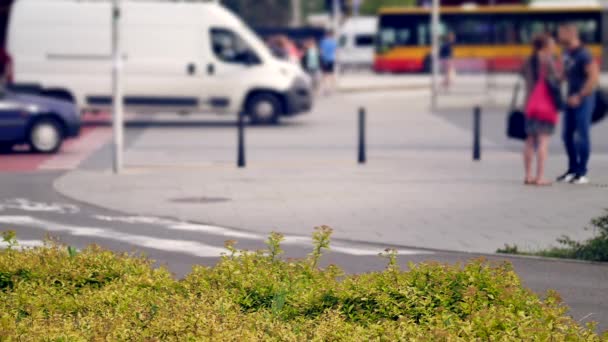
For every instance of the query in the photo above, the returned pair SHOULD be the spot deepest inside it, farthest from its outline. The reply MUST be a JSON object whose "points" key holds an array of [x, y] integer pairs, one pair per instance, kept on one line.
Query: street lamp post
{"points": [[296, 13], [434, 54], [117, 96], [337, 14]]}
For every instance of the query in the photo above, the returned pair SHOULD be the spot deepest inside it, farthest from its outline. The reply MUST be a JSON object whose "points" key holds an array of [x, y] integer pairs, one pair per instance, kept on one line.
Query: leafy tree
{"points": [[370, 7], [268, 13]]}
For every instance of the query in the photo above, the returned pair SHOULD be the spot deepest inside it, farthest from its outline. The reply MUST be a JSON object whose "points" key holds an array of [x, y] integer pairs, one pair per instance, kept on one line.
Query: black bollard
{"points": [[477, 134], [362, 147], [241, 141]]}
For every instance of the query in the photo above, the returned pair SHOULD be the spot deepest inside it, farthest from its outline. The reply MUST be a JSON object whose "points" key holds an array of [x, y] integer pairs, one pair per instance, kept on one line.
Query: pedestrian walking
{"points": [[311, 61], [582, 74], [329, 46], [291, 50], [446, 55], [542, 87]]}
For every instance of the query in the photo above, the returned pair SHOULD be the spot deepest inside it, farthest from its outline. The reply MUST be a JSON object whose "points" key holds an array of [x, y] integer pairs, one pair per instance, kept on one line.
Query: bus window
{"points": [[424, 31], [588, 30], [473, 29], [424, 34], [394, 31], [505, 32]]}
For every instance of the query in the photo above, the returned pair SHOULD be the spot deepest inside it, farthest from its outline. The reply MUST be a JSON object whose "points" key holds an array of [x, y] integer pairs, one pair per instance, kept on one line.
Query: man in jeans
{"points": [[582, 74]]}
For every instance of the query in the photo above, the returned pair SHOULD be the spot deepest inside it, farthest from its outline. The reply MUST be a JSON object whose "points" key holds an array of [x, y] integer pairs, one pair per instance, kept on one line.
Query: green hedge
{"points": [[60, 294], [593, 249]]}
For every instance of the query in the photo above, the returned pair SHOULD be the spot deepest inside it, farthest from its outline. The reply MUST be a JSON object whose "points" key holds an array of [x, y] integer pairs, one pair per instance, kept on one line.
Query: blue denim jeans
{"points": [[577, 135]]}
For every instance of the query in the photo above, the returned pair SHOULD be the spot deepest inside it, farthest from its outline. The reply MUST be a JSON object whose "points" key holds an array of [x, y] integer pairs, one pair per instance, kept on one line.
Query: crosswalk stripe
{"points": [[169, 245], [188, 247]]}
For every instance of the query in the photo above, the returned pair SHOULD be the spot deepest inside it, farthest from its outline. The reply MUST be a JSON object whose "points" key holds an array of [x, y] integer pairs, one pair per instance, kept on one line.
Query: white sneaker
{"points": [[566, 177], [580, 180]]}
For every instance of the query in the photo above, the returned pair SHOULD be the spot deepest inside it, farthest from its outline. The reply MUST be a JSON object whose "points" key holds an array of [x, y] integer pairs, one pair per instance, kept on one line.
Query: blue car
{"points": [[42, 122]]}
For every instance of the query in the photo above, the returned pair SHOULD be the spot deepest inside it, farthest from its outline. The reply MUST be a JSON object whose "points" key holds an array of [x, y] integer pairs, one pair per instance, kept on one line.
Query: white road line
{"points": [[169, 245], [184, 226], [32, 206], [188, 247], [294, 240], [24, 244]]}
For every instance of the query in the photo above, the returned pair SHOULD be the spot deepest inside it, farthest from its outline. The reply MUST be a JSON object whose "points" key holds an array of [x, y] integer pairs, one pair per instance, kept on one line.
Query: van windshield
{"points": [[255, 43]]}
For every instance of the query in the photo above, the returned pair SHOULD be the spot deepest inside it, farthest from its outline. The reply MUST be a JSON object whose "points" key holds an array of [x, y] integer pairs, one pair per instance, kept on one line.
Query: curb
{"points": [[382, 88]]}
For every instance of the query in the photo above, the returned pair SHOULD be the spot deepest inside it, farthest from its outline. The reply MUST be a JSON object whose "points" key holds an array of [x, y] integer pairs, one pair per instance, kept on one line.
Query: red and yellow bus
{"points": [[495, 38]]}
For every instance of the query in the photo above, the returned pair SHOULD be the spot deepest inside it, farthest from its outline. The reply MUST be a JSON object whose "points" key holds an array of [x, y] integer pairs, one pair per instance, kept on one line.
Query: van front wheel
{"points": [[264, 109]]}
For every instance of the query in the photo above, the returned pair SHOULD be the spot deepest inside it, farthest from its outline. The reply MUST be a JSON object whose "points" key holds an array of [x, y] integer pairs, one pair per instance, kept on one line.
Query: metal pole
{"points": [[296, 13], [356, 7], [477, 134], [337, 15], [117, 96], [362, 147], [241, 141], [434, 53]]}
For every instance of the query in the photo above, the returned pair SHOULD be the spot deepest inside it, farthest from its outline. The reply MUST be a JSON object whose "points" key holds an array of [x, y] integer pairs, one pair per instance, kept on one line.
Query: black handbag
{"points": [[601, 106], [516, 122], [556, 94]]}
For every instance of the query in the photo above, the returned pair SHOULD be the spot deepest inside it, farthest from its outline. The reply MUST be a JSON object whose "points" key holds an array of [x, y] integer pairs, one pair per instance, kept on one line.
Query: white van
{"points": [[357, 43], [178, 56]]}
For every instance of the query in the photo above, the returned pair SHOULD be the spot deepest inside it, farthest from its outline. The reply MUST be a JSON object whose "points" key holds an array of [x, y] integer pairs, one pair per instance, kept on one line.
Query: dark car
{"points": [[42, 122]]}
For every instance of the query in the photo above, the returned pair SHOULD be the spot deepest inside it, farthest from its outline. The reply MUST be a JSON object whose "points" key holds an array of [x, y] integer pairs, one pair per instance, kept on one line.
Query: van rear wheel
{"points": [[45, 136], [264, 109]]}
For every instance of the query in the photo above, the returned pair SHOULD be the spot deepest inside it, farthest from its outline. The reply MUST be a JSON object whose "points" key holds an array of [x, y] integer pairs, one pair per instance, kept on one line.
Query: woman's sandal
{"points": [[529, 182]]}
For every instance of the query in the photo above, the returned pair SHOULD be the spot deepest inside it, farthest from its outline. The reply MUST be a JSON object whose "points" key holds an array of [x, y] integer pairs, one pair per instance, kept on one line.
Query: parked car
{"points": [[177, 56], [41, 122]]}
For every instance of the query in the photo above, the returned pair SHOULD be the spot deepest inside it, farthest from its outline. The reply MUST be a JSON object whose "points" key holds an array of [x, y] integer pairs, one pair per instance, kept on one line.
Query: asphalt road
{"points": [[30, 206]]}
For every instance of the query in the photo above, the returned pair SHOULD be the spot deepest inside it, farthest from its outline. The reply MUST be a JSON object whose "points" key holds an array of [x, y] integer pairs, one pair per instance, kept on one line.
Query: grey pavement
{"points": [[419, 188]]}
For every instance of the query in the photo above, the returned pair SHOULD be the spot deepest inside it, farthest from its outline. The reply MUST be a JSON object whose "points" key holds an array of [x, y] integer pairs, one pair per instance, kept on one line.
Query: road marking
{"points": [[24, 244], [169, 245], [336, 246], [77, 150], [184, 226], [32, 206], [73, 152]]}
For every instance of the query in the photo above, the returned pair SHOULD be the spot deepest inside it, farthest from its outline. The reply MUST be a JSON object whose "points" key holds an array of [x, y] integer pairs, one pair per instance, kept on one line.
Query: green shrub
{"points": [[594, 249], [58, 294]]}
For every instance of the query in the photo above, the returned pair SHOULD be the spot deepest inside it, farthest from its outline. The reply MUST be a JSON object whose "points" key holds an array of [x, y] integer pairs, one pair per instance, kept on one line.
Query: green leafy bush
{"points": [[59, 294], [594, 249]]}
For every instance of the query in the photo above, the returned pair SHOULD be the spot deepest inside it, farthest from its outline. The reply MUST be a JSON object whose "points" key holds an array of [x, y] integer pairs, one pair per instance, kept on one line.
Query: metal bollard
{"points": [[241, 141], [477, 134], [362, 147]]}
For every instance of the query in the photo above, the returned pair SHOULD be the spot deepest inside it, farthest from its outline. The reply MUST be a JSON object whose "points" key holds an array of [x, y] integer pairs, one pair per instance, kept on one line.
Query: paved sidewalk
{"points": [[419, 189], [477, 81]]}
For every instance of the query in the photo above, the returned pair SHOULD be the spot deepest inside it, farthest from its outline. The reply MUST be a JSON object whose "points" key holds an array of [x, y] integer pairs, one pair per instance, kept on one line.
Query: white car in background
{"points": [[357, 41]]}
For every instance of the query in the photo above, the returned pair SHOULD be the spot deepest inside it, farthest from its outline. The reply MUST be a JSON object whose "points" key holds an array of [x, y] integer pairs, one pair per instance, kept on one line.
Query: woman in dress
{"points": [[539, 71]]}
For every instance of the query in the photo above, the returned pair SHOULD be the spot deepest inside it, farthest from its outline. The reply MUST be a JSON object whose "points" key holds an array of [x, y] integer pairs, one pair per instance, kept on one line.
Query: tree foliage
{"points": [[266, 13], [371, 7]]}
